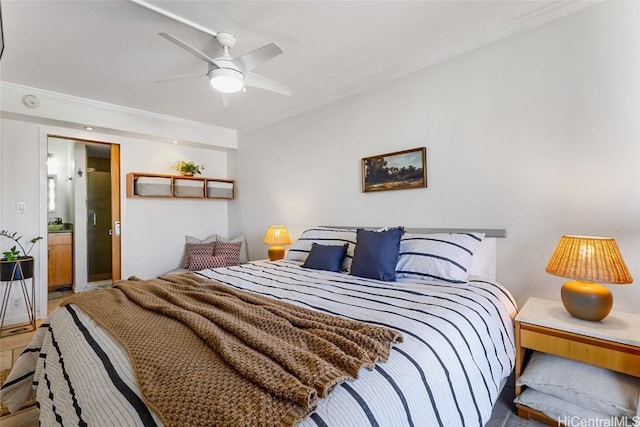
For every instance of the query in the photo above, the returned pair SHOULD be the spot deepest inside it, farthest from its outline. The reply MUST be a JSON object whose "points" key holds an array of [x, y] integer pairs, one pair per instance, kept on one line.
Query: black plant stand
{"points": [[13, 272]]}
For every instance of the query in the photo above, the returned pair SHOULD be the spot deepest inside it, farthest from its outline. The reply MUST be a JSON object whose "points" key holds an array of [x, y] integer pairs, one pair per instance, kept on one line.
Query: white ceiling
{"points": [[110, 51]]}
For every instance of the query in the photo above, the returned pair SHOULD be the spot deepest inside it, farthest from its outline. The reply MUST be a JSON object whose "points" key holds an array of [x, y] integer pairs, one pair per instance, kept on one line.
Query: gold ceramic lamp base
{"points": [[276, 253], [586, 300], [277, 235]]}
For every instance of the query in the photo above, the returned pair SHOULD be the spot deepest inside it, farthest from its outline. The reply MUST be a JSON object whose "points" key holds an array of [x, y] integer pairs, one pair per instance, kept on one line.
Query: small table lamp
{"points": [[588, 260], [277, 235]]}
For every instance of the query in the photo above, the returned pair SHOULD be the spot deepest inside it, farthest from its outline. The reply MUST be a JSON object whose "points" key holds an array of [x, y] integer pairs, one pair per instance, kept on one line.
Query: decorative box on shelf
{"points": [[177, 186]]}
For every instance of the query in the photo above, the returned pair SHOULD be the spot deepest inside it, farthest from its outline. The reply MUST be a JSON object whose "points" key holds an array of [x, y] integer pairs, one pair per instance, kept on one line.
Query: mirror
{"points": [[52, 182]]}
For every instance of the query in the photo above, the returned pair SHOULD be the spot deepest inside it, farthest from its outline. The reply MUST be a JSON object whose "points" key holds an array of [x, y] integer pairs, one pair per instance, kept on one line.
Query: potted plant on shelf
{"points": [[14, 266], [187, 168]]}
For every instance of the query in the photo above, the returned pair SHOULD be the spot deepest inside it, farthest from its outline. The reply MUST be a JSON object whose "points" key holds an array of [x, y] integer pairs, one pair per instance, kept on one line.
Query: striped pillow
{"points": [[323, 236], [442, 257]]}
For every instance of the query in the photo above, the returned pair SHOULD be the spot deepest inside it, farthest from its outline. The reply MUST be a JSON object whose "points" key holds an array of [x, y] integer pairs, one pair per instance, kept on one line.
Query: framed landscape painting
{"points": [[395, 171]]}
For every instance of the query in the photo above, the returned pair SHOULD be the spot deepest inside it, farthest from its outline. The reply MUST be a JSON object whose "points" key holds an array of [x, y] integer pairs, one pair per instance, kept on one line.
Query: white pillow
{"points": [[323, 236], [567, 413], [210, 239], [442, 257], [244, 254], [599, 389], [483, 262]]}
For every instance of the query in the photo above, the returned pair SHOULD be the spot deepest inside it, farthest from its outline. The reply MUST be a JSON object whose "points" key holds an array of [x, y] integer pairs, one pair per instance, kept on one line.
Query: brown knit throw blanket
{"points": [[206, 354]]}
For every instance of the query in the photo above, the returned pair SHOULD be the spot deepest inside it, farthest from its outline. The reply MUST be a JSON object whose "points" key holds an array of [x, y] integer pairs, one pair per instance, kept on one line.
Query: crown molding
{"points": [[549, 13], [75, 112]]}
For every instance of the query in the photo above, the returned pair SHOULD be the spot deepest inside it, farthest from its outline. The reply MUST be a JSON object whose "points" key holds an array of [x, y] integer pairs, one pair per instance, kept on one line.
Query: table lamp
{"points": [[588, 260], [277, 235]]}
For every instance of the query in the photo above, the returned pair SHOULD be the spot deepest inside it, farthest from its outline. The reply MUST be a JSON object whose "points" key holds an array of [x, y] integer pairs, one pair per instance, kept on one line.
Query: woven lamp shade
{"points": [[276, 235], [589, 261], [593, 259]]}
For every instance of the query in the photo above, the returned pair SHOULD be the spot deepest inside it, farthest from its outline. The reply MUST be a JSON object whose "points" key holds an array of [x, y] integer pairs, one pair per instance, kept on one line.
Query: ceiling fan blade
{"points": [[255, 80], [186, 46], [251, 60], [181, 76]]}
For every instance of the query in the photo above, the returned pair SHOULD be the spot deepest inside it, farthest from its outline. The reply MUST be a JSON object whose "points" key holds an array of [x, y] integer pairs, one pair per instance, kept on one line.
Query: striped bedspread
{"points": [[458, 348]]}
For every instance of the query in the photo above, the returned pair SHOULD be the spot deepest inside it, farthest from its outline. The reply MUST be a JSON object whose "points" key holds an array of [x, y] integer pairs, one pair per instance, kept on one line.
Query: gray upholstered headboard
{"points": [[488, 232]]}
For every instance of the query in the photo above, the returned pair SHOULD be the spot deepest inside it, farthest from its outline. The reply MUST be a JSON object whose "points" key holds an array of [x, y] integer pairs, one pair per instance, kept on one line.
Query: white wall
{"points": [[538, 133], [153, 230], [20, 181]]}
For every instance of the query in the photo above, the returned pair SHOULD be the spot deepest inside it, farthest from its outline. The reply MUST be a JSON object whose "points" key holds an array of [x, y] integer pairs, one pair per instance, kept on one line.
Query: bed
{"points": [[456, 353]]}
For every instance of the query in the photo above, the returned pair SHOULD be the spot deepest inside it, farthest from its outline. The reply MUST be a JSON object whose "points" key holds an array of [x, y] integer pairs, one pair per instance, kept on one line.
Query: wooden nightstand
{"points": [[544, 325]]}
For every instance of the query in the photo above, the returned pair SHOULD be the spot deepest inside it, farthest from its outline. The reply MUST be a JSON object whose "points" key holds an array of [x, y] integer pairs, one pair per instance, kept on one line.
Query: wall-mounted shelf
{"points": [[176, 186]]}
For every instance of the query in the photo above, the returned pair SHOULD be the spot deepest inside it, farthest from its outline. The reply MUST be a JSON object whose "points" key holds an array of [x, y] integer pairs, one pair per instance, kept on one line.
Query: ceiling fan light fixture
{"points": [[231, 75], [226, 80]]}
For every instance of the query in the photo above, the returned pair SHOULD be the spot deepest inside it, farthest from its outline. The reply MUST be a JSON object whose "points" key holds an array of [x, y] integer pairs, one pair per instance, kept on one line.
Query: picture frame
{"points": [[399, 170]]}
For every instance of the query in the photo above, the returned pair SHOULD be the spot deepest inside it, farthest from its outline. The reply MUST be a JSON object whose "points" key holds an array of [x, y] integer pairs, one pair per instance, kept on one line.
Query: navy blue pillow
{"points": [[326, 257], [376, 254]]}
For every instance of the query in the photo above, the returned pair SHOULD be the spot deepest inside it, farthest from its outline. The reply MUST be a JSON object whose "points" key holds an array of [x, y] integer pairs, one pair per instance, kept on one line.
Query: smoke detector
{"points": [[31, 101]]}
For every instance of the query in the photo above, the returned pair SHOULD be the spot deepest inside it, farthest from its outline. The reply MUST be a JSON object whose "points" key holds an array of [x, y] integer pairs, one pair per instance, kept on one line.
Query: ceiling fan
{"points": [[230, 75], [226, 74]]}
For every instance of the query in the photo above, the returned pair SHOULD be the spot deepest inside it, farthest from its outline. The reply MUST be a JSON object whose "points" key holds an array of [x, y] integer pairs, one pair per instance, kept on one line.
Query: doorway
{"points": [[99, 262], [87, 206]]}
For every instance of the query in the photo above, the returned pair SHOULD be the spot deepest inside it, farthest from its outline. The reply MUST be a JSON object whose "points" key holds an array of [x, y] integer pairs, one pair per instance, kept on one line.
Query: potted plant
{"points": [[14, 266], [187, 168]]}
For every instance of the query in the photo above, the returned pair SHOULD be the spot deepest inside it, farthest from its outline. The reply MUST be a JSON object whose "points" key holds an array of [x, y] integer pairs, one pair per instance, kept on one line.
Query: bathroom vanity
{"points": [[60, 271]]}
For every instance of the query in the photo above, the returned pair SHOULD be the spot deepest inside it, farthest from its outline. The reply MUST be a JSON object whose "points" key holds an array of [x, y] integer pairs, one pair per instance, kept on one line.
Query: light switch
{"points": [[21, 207]]}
